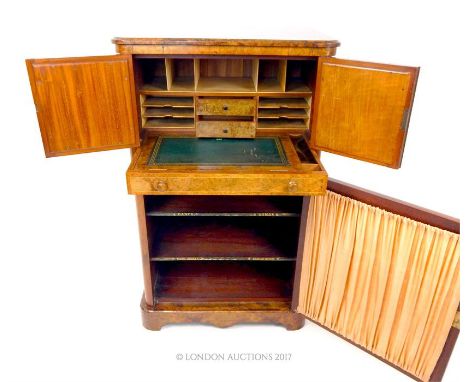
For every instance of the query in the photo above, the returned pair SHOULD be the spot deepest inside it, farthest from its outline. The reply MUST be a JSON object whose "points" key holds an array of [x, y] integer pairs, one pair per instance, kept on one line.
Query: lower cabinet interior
{"points": [[223, 252], [210, 283]]}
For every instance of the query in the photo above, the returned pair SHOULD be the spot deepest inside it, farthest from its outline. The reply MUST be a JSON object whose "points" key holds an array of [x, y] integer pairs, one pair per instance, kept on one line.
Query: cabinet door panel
{"points": [[84, 104], [361, 110], [383, 274]]}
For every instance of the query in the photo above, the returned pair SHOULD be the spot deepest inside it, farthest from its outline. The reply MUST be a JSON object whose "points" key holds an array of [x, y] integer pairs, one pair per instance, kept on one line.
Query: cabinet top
{"points": [[179, 46]]}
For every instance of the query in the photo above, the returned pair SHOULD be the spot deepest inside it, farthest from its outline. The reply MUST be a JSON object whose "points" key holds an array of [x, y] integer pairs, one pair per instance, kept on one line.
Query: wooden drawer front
{"points": [[227, 129], [226, 106], [228, 184]]}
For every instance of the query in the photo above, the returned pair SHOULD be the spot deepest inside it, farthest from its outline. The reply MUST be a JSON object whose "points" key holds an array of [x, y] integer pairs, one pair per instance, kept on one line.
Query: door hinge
{"points": [[405, 119], [456, 320]]}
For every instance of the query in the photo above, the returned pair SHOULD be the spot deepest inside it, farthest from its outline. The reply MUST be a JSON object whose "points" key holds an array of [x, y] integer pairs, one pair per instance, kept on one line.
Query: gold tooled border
{"points": [[279, 146]]}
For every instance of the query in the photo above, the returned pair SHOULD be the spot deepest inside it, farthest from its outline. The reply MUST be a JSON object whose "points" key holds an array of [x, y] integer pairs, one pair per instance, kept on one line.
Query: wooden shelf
{"points": [[272, 206], [225, 84], [270, 85], [157, 85], [297, 86], [169, 122], [283, 113], [225, 238], [226, 282], [276, 103], [277, 304], [282, 123], [168, 112], [182, 85], [168, 101]]}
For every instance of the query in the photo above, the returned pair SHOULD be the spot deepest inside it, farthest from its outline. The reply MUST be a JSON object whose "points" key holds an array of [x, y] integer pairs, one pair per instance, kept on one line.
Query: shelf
{"points": [[169, 122], [225, 238], [277, 304], [227, 75], [225, 84], [276, 103], [168, 101], [283, 113], [182, 85], [297, 86], [226, 282], [272, 206], [168, 112], [157, 85], [282, 123], [270, 85]]}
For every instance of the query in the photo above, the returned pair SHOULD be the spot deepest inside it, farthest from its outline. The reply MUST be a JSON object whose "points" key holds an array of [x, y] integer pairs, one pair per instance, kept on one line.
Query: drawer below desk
{"points": [[227, 184]]}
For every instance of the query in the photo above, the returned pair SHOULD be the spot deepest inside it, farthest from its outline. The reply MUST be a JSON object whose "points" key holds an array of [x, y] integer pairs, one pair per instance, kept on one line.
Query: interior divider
{"points": [[290, 82], [196, 71], [255, 68]]}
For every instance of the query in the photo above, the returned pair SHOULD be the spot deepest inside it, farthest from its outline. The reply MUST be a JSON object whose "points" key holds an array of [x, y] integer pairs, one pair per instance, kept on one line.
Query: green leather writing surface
{"points": [[264, 151]]}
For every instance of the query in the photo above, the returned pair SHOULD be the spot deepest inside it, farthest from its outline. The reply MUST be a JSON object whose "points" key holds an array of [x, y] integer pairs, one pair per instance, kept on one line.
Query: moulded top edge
{"points": [[227, 42]]}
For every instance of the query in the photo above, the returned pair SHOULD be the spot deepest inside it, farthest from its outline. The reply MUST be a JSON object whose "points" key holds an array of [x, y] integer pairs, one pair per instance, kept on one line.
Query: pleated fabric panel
{"points": [[386, 282]]}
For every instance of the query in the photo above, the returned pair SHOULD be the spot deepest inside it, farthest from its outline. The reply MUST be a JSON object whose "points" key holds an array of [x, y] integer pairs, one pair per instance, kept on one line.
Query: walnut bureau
{"points": [[238, 220]]}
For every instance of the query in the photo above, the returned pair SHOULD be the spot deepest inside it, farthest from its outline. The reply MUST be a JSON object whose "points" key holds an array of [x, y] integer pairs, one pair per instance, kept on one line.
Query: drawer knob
{"points": [[160, 185], [292, 186], [225, 107]]}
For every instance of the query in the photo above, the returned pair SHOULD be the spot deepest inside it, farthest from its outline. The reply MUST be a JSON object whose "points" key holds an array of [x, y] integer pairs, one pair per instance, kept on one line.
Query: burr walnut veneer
{"points": [[238, 220]]}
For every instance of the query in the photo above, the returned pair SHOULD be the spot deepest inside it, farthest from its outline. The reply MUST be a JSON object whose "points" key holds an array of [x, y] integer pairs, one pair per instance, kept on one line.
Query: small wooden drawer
{"points": [[225, 129], [226, 106]]}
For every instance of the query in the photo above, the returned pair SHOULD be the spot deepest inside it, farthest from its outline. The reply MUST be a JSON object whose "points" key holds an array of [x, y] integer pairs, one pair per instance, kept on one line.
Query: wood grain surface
{"points": [[84, 104], [362, 109], [225, 46]]}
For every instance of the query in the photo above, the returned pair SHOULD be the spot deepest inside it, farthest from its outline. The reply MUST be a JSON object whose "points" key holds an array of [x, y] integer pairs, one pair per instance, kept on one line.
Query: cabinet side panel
{"points": [[145, 250]]}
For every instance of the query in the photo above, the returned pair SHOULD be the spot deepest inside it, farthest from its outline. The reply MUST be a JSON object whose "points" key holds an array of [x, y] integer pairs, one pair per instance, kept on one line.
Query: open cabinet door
{"points": [[361, 110], [383, 275], [84, 104]]}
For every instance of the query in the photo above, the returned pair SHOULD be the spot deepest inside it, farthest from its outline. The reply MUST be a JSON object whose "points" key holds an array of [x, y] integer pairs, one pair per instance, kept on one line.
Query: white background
{"points": [[70, 272]]}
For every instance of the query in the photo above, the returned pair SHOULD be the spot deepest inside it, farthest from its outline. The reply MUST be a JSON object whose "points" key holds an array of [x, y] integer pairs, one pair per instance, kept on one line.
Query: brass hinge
{"points": [[456, 320]]}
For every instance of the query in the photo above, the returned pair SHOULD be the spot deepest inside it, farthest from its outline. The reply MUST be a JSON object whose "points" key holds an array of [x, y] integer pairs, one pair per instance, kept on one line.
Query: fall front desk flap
{"points": [[217, 151]]}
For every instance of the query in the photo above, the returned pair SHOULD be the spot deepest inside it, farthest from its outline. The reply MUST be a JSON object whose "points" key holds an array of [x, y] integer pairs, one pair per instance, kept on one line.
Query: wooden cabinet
{"points": [[238, 219]]}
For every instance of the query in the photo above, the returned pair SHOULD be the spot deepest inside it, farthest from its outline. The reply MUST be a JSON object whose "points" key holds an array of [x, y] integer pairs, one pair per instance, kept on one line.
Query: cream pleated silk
{"points": [[387, 283]]}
